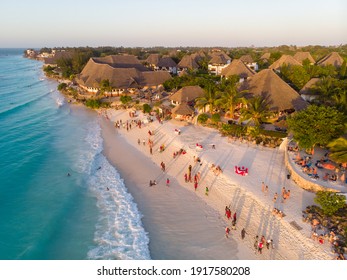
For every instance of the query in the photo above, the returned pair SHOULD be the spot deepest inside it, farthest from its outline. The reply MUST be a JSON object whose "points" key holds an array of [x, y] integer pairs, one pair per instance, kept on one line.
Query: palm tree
{"points": [[338, 150], [340, 101], [209, 99], [257, 109], [230, 99]]}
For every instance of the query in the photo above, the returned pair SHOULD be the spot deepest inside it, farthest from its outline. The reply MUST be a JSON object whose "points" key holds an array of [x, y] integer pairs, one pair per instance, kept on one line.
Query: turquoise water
{"points": [[45, 214]]}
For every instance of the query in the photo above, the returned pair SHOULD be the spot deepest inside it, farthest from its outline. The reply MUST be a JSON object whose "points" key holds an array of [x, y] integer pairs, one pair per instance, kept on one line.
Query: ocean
{"points": [[59, 196]]}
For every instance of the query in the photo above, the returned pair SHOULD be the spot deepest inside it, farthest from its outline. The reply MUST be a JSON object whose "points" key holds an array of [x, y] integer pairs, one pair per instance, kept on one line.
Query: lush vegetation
{"points": [[93, 103], [338, 150], [316, 125], [62, 86], [146, 108], [125, 99], [330, 202]]}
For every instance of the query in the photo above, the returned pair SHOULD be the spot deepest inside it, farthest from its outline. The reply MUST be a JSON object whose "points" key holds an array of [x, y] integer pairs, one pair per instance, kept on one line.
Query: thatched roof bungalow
{"points": [[284, 59], [120, 78], [331, 59], [186, 94], [282, 97], [301, 56], [237, 67], [219, 60], [187, 62]]}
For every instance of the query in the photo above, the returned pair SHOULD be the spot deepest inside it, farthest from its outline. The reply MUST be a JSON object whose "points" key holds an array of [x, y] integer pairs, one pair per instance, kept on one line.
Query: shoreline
{"points": [[191, 236], [242, 194]]}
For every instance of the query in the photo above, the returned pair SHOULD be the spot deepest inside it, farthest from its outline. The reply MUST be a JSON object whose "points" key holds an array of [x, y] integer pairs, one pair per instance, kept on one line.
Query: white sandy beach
{"points": [[187, 224]]}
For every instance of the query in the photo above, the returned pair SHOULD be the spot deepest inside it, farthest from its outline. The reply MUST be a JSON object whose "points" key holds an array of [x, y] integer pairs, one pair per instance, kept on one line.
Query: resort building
{"points": [[248, 60], [186, 94], [158, 63], [281, 96], [219, 60], [187, 63], [124, 73], [238, 68], [331, 59], [301, 56], [284, 59]]}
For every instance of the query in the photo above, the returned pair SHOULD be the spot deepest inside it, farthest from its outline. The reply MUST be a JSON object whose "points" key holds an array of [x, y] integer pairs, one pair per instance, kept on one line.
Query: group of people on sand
{"points": [[285, 194], [259, 244], [216, 169], [233, 222]]}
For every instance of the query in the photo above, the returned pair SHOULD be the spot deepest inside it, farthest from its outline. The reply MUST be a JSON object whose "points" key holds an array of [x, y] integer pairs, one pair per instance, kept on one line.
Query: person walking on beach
{"points": [[206, 191], [256, 242], [234, 218], [260, 247], [162, 164], [190, 173], [185, 177], [151, 150], [266, 190], [195, 185], [275, 197], [167, 182], [268, 243], [138, 141], [262, 187], [243, 233], [227, 231]]}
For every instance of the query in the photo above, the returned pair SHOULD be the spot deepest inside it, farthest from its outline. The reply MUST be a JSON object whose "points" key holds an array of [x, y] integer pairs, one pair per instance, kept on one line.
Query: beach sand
{"points": [[187, 224]]}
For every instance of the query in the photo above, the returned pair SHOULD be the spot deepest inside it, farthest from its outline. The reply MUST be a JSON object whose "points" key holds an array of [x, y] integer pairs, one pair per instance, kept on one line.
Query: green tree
{"points": [[146, 108], [125, 99], [343, 70], [230, 99], [93, 103], [256, 110], [295, 75], [105, 86], [330, 202], [215, 118], [202, 118], [208, 99], [316, 125], [338, 150], [62, 86]]}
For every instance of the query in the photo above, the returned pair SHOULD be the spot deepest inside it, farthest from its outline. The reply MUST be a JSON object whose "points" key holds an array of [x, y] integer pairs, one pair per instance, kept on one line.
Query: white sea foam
{"points": [[119, 232]]}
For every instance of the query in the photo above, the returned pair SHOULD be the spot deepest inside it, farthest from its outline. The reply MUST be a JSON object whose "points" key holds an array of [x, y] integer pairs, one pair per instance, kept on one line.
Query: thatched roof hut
{"points": [[237, 67], [182, 109], [153, 59], [218, 59], [331, 59], [121, 61], [301, 56], [188, 62], [280, 94], [247, 58], [307, 88], [166, 62], [265, 56], [284, 59], [122, 78], [187, 94]]}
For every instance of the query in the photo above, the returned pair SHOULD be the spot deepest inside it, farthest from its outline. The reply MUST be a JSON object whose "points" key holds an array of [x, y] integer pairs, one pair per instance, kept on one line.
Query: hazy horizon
{"points": [[185, 23]]}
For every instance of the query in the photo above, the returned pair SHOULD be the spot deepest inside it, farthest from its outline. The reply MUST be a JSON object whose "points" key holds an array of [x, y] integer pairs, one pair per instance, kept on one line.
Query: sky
{"points": [[172, 23]]}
